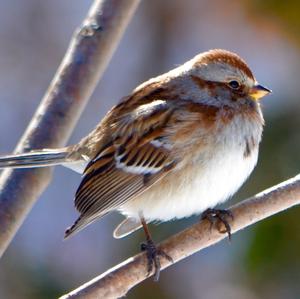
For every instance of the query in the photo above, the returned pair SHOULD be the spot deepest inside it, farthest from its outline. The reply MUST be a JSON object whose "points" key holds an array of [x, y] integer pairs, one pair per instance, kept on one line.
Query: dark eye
{"points": [[234, 84]]}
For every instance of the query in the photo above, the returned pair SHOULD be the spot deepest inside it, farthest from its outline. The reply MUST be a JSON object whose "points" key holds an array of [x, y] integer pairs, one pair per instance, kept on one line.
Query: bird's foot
{"points": [[153, 258], [221, 216]]}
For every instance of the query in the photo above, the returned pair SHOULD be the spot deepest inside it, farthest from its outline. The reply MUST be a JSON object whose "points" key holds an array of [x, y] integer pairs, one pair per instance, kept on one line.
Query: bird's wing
{"points": [[136, 156]]}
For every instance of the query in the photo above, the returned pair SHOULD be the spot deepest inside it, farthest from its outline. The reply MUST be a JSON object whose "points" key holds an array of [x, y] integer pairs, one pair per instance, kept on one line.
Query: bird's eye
{"points": [[234, 84]]}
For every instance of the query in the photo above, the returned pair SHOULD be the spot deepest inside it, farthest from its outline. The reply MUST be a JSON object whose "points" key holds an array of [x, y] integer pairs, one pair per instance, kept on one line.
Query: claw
{"points": [[153, 253], [153, 258], [222, 216]]}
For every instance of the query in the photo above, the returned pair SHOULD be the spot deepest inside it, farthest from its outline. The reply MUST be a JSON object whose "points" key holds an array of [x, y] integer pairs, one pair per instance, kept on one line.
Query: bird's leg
{"points": [[153, 253], [220, 215]]}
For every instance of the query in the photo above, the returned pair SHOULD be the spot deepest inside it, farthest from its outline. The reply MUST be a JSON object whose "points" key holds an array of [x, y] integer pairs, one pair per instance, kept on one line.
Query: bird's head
{"points": [[226, 77]]}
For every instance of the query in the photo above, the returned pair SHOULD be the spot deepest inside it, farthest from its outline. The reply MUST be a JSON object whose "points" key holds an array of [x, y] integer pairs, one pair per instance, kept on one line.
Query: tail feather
{"points": [[39, 158], [81, 222]]}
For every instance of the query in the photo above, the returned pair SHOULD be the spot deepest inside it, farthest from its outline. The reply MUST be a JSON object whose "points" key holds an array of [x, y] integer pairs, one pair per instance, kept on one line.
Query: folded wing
{"points": [[136, 156]]}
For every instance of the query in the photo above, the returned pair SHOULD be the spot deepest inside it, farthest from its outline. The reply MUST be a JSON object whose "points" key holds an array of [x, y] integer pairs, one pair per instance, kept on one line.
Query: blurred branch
{"points": [[117, 281], [86, 58]]}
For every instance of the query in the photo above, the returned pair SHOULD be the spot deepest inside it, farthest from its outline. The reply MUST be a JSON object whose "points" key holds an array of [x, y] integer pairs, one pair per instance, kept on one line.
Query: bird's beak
{"points": [[258, 91]]}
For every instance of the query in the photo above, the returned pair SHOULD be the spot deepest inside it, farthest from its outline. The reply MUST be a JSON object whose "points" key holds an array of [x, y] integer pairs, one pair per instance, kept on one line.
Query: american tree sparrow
{"points": [[178, 145]]}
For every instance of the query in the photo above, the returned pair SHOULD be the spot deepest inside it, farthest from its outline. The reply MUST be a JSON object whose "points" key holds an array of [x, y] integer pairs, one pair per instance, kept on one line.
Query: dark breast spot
{"points": [[249, 146]]}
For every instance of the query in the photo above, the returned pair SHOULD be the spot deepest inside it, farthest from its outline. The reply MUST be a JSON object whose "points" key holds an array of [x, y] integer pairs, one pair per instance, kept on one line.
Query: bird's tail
{"points": [[37, 158]]}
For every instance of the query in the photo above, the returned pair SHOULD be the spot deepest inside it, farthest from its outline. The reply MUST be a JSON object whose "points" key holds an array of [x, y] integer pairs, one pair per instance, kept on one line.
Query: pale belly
{"points": [[210, 179]]}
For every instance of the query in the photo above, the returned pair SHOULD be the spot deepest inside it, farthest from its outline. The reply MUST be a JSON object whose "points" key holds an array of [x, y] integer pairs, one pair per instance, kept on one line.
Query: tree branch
{"points": [[117, 281], [86, 58]]}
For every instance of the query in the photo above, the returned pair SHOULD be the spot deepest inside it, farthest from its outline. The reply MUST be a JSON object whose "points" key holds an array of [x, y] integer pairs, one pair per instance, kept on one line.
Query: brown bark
{"points": [[117, 281], [85, 61]]}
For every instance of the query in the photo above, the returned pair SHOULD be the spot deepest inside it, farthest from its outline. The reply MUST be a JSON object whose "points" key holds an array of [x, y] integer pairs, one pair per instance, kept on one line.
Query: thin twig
{"points": [[86, 58], [117, 281]]}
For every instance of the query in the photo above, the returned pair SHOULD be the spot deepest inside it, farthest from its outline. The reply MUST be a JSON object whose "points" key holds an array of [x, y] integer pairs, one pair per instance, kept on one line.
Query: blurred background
{"points": [[263, 261]]}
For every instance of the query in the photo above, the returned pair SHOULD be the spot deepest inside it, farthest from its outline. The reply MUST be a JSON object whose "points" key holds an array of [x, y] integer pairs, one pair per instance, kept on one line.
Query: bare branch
{"points": [[117, 281], [89, 52]]}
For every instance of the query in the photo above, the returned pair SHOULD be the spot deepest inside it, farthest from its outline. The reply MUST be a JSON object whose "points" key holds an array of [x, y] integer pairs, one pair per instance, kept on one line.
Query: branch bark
{"points": [[88, 54], [117, 281]]}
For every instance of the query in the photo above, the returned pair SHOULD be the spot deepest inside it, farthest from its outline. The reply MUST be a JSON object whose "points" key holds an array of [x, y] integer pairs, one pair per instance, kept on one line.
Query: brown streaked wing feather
{"points": [[103, 191], [105, 198], [126, 166], [115, 190]]}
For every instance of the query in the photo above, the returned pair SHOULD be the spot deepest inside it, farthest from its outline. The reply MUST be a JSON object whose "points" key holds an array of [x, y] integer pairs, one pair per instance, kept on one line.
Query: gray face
{"points": [[223, 84]]}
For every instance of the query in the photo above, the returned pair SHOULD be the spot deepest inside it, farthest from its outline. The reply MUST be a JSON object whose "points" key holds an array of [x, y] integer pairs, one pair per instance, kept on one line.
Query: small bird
{"points": [[178, 145]]}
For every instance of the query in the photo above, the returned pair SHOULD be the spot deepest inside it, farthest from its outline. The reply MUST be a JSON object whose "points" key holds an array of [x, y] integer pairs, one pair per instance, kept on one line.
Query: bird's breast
{"points": [[209, 175]]}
